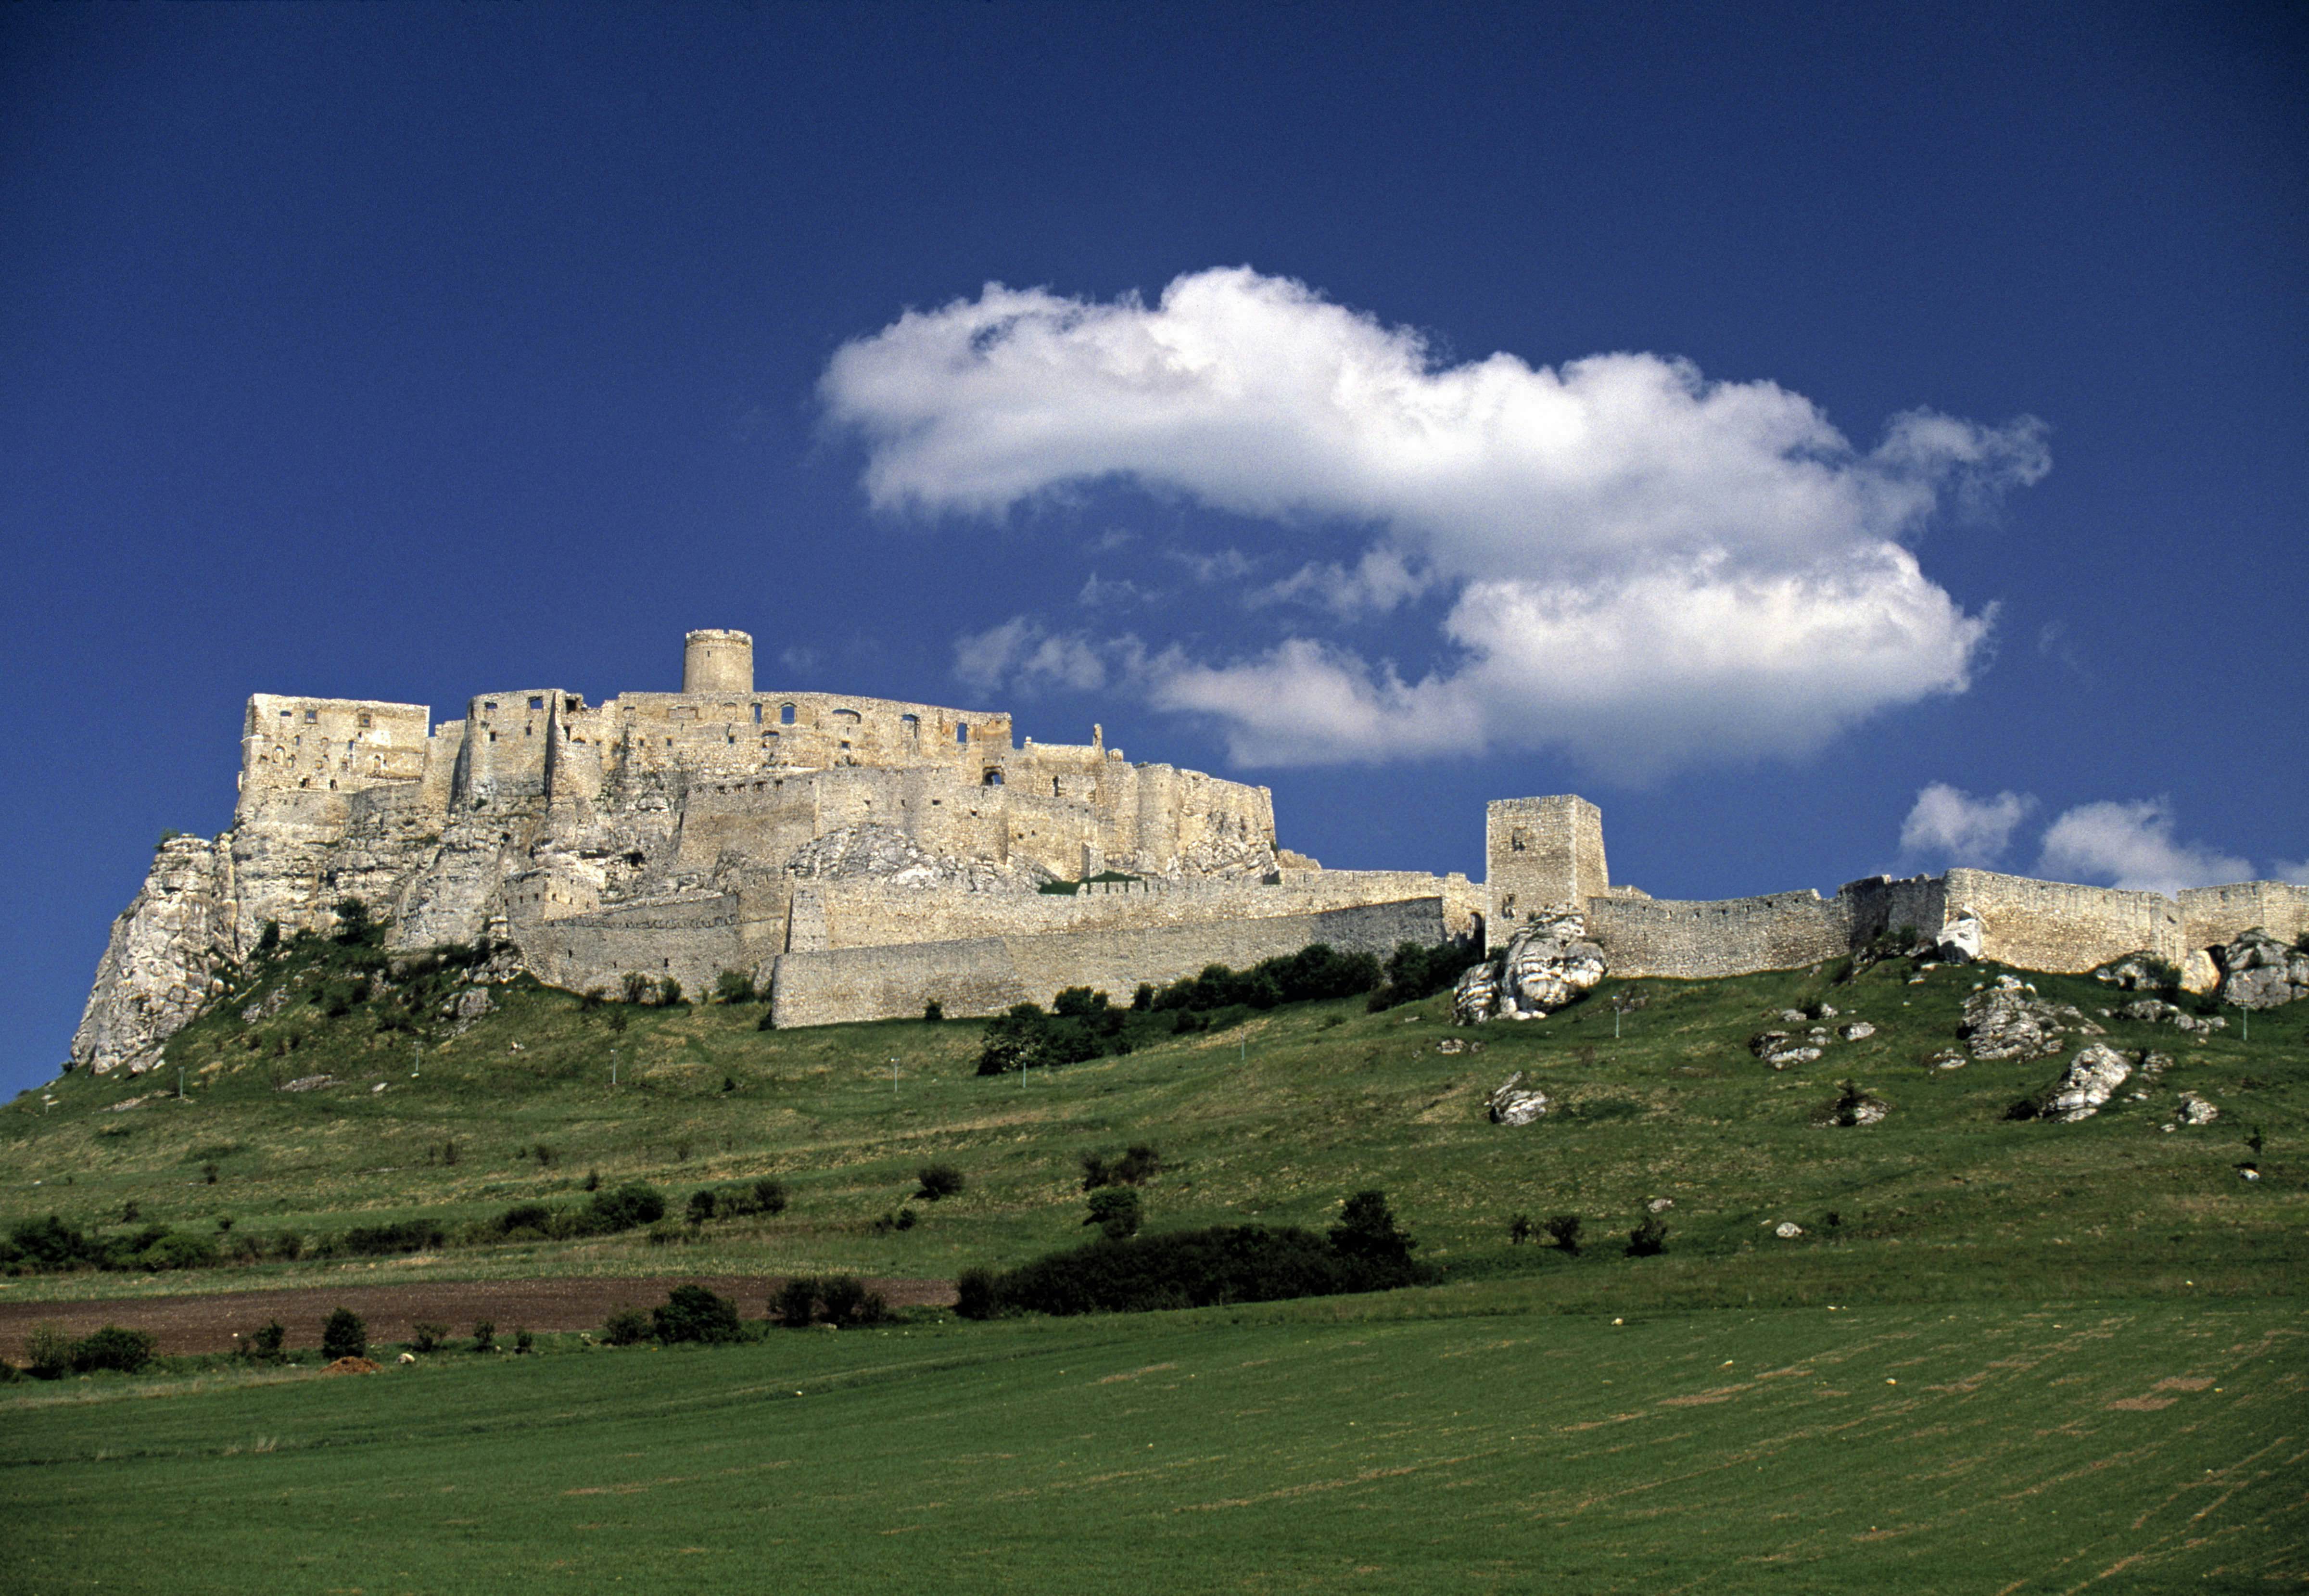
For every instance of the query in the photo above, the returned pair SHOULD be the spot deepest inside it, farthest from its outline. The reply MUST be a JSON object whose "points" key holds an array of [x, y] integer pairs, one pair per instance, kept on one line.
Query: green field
{"points": [[1458, 1438], [2096, 1330]]}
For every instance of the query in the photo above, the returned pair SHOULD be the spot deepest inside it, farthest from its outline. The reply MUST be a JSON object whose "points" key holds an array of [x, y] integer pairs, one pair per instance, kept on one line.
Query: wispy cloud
{"points": [[1023, 655], [1645, 568], [2131, 845], [1949, 826]]}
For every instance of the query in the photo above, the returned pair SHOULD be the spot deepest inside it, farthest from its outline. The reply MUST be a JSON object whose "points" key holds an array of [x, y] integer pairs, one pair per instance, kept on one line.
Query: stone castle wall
{"points": [[986, 975]]}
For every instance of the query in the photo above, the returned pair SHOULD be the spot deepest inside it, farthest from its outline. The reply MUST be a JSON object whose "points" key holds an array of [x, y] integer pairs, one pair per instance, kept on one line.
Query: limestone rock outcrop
{"points": [[1962, 938], [2258, 972], [1514, 1103], [1545, 966], [160, 963], [2091, 1079], [2009, 1020]]}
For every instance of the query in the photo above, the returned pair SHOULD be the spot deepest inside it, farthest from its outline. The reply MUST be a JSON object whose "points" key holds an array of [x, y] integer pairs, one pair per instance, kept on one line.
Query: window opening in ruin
{"points": [[785, 714], [1054, 787], [962, 734], [365, 720], [489, 706], [757, 714], [992, 778], [570, 704], [847, 717], [284, 714], [913, 724], [493, 737], [537, 703], [311, 716], [845, 747]]}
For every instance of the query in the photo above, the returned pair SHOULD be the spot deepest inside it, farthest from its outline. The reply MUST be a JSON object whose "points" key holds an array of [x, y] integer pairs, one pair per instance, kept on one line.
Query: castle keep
{"points": [[861, 858]]}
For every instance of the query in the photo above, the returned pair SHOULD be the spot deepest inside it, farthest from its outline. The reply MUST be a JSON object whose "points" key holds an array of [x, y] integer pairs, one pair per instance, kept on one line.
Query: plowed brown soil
{"points": [[207, 1324]]}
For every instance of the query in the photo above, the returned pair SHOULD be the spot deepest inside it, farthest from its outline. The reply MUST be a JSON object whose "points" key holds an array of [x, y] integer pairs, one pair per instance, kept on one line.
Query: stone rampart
{"points": [[1698, 941], [2215, 916], [2059, 927], [986, 975]]}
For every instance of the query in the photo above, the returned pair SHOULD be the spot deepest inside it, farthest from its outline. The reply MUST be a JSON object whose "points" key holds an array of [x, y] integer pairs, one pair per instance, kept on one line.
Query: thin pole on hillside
{"points": [[613, 1068]]}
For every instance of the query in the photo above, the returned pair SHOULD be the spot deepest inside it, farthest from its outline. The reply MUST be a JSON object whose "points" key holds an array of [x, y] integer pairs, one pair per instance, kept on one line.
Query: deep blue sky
{"points": [[410, 352]]}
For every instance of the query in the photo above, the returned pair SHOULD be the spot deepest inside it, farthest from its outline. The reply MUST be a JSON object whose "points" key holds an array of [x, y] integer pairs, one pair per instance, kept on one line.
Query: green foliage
{"points": [[426, 1335], [400, 1236], [668, 993], [1413, 971], [1138, 1166], [1563, 1229], [733, 986], [120, 1351], [627, 1327], [796, 1302], [936, 1182], [1519, 1230], [47, 1352], [1314, 973], [631, 1204], [345, 1335], [1190, 1269], [977, 1293], [694, 1314], [933, 1010], [701, 1206], [1647, 1239], [524, 1344], [1367, 1234], [1084, 1026], [638, 988], [1115, 1210], [485, 1336], [266, 1345]]}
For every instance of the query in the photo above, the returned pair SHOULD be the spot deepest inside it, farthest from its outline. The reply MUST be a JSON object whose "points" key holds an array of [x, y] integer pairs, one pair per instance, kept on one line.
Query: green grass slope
{"points": [[1275, 1116], [1444, 1439]]}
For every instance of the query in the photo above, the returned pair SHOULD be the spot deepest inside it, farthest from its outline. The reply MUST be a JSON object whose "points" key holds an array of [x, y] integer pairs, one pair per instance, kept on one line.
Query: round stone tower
{"points": [[715, 661]]}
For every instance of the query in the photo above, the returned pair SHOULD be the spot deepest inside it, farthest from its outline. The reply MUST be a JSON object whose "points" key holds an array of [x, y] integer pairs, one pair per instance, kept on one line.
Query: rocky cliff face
{"points": [[162, 959]]}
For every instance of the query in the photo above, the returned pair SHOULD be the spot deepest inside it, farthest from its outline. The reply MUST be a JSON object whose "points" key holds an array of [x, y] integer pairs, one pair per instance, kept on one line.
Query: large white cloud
{"points": [[1647, 567], [2131, 845], [1951, 826]]}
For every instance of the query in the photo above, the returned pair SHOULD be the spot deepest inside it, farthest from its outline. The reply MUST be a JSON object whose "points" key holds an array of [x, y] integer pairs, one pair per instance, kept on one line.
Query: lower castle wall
{"points": [[693, 940], [1688, 941], [980, 975], [2061, 927], [2215, 916]]}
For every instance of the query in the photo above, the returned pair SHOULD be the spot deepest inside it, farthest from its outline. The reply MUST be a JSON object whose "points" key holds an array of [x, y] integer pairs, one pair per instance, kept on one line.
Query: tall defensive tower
{"points": [[716, 662], [1542, 855]]}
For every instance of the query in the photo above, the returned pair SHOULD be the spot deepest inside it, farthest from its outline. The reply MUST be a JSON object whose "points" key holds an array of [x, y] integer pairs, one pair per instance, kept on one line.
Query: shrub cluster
{"points": [[51, 1354], [1413, 971], [604, 1213], [1135, 1166], [1364, 1252], [1314, 972], [1083, 1024], [837, 1299], [737, 1199], [49, 1246], [694, 1314]]}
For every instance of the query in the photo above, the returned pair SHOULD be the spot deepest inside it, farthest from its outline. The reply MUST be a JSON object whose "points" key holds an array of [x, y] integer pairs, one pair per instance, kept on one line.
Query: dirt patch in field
{"points": [[207, 1324]]}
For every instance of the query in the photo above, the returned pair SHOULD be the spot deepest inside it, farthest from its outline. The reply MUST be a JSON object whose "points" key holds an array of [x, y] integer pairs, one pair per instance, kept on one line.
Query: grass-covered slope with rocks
{"points": [[434, 1110]]}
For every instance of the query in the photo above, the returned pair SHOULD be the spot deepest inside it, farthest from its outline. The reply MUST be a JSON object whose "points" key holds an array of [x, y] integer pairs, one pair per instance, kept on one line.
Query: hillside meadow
{"points": [[1999, 1354]]}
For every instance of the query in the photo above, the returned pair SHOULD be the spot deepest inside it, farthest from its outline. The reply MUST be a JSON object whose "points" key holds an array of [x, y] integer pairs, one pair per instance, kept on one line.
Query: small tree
{"points": [[1649, 1239], [977, 1294], [694, 1314], [345, 1335], [701, 1206], [427, 1336], [354, 925], [47, 1352], [266, 1345], [769, 1195], [796, 1303], [1115, 1210], [1563, 1229], [1519, 1230], [113, 1348], [627, 1327], [934, 1011], [939, 1181], [638, 987], [1366, 1232], [485, 1336], [668, 993]]}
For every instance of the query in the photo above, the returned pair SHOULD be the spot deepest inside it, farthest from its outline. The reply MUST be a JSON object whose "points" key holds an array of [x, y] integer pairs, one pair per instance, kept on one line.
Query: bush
{"points": [[629, 1326], [796, 1303], [485, 1336], [1563, 1229], [113, 1348], [426, 1336], [933, 1010], [526, 1221], [638, 988], [701, 1206], [265, 1345], [668, 993], [1413, 971], [733, 986], [524, 1344], [1135, 1166], [631, 1204], [1315, 972], [769, 1195], [47, 1352], [288, 1245], [345, 1335], [939, 1181], [1519, 1230], [975, 1291], [694, 1314], [1649, 1239], [904, 1218], [1115, 1210], [406, 1236], [1367, 1233]]}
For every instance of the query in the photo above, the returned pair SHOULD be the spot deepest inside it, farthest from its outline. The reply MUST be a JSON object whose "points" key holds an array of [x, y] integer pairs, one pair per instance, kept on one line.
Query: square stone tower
{"points": [[1542, 856]]}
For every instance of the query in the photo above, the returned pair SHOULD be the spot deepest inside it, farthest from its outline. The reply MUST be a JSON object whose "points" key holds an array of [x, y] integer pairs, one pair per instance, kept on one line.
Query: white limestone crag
{"points": [[2258, 972], [1514, 1103], [2092, 1077], [2007, 1019], [1545, 966]]}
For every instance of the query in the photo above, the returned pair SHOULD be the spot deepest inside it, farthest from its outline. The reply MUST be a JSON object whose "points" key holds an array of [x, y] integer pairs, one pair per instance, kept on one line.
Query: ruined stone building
{"points": [[862, 858]]}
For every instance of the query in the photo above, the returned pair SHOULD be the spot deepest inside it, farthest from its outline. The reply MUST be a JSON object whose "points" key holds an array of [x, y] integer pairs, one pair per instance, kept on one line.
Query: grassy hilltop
{"points": [[2002, 1355], [1273, 1116]]}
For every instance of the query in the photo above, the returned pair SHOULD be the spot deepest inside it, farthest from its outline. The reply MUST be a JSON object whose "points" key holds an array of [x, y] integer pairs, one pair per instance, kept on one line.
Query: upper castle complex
{"points": [[861, 858]]}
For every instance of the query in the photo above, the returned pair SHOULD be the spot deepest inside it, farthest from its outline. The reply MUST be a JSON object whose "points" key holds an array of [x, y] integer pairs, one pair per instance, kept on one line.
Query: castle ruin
{"points": [[860, 858]]}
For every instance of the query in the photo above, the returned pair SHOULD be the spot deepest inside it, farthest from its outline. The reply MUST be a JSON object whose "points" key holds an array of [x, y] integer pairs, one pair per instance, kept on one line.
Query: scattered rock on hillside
{"points": [[1779, 1049], [1848, 1108], [2195, 1111], [1947, 1058], [2009, 1020], [2151, 1011], [2092, 1077], [1859, 1031], [1545, 967], [1660, 1204], [2258, 972], [1787, 1229], [1514, 1103], [2142, 971], [309, 1083]]}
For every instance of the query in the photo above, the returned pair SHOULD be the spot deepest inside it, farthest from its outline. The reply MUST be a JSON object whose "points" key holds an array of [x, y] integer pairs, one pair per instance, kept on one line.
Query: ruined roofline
{"points": [[297, 700]]}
